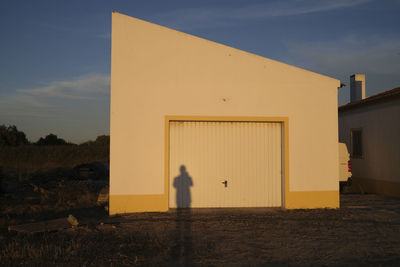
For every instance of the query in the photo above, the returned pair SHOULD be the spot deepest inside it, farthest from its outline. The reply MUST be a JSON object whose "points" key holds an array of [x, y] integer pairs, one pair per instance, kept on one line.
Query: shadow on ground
{"points": [[364, 231]]}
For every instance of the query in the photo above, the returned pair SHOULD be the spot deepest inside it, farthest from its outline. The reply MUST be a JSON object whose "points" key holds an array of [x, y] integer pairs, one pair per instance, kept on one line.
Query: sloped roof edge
{"points": [[383, 96], [239, 50]]}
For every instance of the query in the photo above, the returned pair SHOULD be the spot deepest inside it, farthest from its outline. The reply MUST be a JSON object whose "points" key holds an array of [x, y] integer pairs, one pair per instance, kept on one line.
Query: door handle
{"points": [[225, 183]]}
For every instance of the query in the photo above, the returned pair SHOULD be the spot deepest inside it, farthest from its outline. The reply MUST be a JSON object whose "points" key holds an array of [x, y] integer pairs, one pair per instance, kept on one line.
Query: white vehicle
{"points": [[344, 165]]}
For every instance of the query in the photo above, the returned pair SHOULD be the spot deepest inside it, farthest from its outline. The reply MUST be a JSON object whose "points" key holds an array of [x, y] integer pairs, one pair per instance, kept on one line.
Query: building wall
{"points": [[158, 72], [378, 170]]}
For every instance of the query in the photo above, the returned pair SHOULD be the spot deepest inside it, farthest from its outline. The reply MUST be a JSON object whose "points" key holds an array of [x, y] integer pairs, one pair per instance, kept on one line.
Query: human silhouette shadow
{"points": [[182, 184], [183, 249]]}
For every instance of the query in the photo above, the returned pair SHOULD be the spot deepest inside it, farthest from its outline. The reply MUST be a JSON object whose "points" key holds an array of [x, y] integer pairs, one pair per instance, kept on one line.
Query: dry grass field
{"points": [[364, 231]]}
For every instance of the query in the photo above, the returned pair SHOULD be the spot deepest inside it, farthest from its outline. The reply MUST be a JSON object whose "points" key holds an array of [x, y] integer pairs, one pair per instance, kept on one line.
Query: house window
{"points": [[356, 143]]}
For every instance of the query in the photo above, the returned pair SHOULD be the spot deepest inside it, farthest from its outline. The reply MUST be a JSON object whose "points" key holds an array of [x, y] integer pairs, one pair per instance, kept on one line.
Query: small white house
{"points": [[199, 124], [371, 129]]}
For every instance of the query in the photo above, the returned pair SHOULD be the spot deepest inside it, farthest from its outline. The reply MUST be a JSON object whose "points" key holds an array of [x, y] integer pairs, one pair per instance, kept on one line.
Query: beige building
{"points": [[371, 129], [199, 124]]}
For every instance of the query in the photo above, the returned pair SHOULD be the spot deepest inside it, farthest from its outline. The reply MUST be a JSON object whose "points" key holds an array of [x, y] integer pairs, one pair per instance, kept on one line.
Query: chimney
{"points": [[357, 87]]}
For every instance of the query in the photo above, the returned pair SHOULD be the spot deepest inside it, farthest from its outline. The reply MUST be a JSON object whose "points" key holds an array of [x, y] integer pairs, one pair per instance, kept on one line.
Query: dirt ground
{"points": [[364, 231]]}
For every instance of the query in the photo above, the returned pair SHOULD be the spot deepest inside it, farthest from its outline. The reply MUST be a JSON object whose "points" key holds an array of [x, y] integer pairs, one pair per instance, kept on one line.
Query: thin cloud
{"points": [[104, 36], [377, 57], [212, 17], [20, 105], [374, 55], [54, 27], [22, 100], [61, 107], [55, 98], [294, 7], [85, 87]]}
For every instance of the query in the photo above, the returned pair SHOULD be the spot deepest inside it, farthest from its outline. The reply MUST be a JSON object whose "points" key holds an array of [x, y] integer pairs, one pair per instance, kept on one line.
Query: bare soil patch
{"points": [[364, 231]]}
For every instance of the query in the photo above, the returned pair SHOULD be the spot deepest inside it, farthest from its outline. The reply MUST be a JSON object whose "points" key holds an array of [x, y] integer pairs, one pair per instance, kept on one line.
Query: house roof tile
{"points": [[385, 95]]}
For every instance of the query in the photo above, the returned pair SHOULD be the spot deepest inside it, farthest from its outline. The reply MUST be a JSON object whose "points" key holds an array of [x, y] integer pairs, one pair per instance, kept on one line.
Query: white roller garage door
{"points": [[225, 164]]}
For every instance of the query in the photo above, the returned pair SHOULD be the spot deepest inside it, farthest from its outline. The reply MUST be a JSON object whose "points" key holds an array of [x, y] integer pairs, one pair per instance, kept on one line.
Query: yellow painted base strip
{"points": [[312, 200], [120, 204], [366, 185], [137, 203]]}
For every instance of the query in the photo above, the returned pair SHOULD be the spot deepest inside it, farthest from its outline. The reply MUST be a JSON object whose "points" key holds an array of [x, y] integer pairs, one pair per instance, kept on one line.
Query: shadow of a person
{"points": [[182, 184], [182, 251]]}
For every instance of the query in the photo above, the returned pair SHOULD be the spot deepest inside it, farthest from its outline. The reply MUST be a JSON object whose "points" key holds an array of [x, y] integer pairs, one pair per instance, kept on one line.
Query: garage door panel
{"points": [[245, 154]]}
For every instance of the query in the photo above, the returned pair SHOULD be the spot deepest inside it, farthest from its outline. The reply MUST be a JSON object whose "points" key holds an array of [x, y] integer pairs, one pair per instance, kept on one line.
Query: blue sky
{"points": [[55, 54]]}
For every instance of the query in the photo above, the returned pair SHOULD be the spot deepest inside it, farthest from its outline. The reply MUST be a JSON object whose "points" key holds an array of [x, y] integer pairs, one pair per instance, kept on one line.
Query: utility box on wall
{"points": [[199, 124]]}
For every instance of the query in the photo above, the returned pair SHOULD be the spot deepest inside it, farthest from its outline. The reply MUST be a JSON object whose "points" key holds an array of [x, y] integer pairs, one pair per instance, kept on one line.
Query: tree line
{"points": [[10, 136], [20, 158]]}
